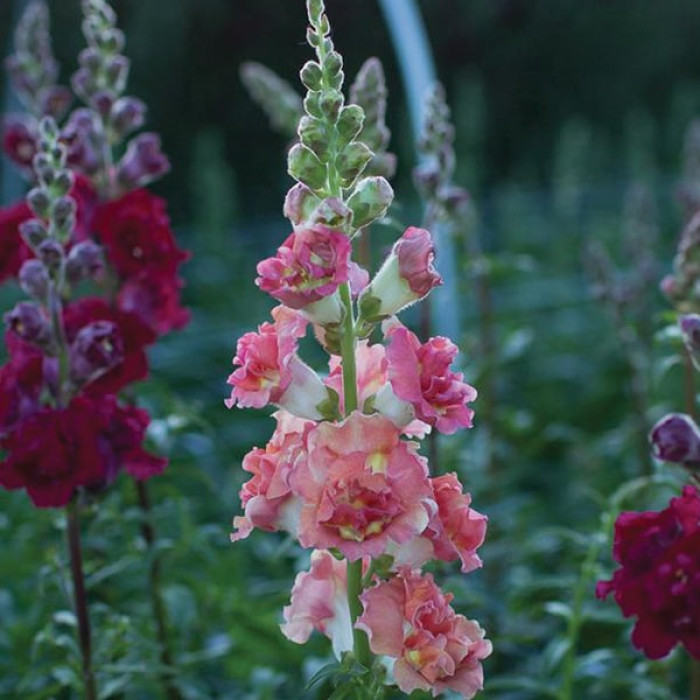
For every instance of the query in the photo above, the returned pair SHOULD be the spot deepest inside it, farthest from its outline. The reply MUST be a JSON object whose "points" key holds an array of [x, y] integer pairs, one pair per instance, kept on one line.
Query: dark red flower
{"points": [[55, 451], [19, 140], [659, 579], [21, 380], [155, 298], [134, 337], [13, 250], [135, 231]]}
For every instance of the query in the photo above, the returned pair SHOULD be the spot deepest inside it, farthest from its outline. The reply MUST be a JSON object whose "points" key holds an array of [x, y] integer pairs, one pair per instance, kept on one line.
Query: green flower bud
{"points": [[312, 105], [304, 166], [313, 135], [350, 122], [330, 103], [311, 75], [370, 200], [352, 160]]}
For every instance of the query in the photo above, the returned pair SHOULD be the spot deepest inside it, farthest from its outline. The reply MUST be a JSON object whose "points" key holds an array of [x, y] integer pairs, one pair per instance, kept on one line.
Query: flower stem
{"points": [[159, 614], [348, 344], [80, 599]]}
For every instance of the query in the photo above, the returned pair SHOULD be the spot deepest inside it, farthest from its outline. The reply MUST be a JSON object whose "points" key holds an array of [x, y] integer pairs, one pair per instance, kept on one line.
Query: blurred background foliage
{"points": [[563, 109]]}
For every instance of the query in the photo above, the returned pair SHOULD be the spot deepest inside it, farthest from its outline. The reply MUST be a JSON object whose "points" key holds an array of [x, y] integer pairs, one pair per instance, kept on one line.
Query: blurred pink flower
{"points": [[410, 619]]}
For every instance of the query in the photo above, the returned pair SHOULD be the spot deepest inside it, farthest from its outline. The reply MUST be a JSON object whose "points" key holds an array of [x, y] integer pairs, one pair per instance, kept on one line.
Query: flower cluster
{"points": [[95, 253], [659, 576], [343, 473]]}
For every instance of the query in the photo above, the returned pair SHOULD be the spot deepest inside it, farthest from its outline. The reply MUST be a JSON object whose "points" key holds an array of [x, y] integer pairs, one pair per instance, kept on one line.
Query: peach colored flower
{"points": [[270, 370], [373, 386], [420, 374], [456, 530], [320, 602], [406, 276], [362, 487], [266, 498], [409, 619]]}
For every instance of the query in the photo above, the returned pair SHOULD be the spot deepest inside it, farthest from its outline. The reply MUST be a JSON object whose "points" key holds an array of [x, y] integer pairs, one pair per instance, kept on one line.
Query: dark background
{"points": [[537, 63]]}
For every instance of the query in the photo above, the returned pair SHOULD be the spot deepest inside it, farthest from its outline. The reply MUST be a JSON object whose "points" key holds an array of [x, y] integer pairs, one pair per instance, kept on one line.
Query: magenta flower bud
{"points": [[34, 279], [117, 72], [90, 59], [63, 211], [33, 231], [299, 203], [127, 115], [83, 83], [50, 252], [406, 276], [55, 101], [85, 261], [81, 136], [96, 349], [38, 201], [102, 101], [28, 323], [676, 438], [143, 162]]}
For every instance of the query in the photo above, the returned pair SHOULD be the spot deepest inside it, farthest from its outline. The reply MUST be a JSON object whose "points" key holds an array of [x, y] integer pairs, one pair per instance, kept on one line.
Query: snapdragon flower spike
{"points": [[406, 276], [270, 370], [410, 620]]}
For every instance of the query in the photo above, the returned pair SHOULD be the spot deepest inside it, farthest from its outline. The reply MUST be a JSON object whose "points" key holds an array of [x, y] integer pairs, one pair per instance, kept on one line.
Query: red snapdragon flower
{"points": [[54, 451], [658, 581]]}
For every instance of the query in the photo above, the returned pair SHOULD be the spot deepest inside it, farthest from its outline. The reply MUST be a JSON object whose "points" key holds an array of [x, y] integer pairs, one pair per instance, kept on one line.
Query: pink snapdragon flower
{"points": [[306, 272], [362, 486], [270, 370], [320, 602], [406, 276], [372, 385], [409, 619], [266, 498], [420, 374]]}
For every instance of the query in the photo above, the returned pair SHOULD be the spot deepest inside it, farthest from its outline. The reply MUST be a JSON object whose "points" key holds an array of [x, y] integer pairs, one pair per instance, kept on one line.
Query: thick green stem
{"points": [[80, 598], [347, 347]]}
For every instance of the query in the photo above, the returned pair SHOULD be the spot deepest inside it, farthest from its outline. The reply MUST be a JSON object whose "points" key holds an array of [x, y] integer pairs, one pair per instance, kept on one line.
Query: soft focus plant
{"points": [[342, 473], [94, 253]]}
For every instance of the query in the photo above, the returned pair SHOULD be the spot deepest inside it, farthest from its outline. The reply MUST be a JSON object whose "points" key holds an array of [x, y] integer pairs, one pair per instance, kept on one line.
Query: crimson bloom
{"points": [[54, 451], [13, 250], [658, 581]]}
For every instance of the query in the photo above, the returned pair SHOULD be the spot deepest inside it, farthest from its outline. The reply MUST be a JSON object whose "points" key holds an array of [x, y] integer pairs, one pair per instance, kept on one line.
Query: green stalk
{"points": [[347, 347]]}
